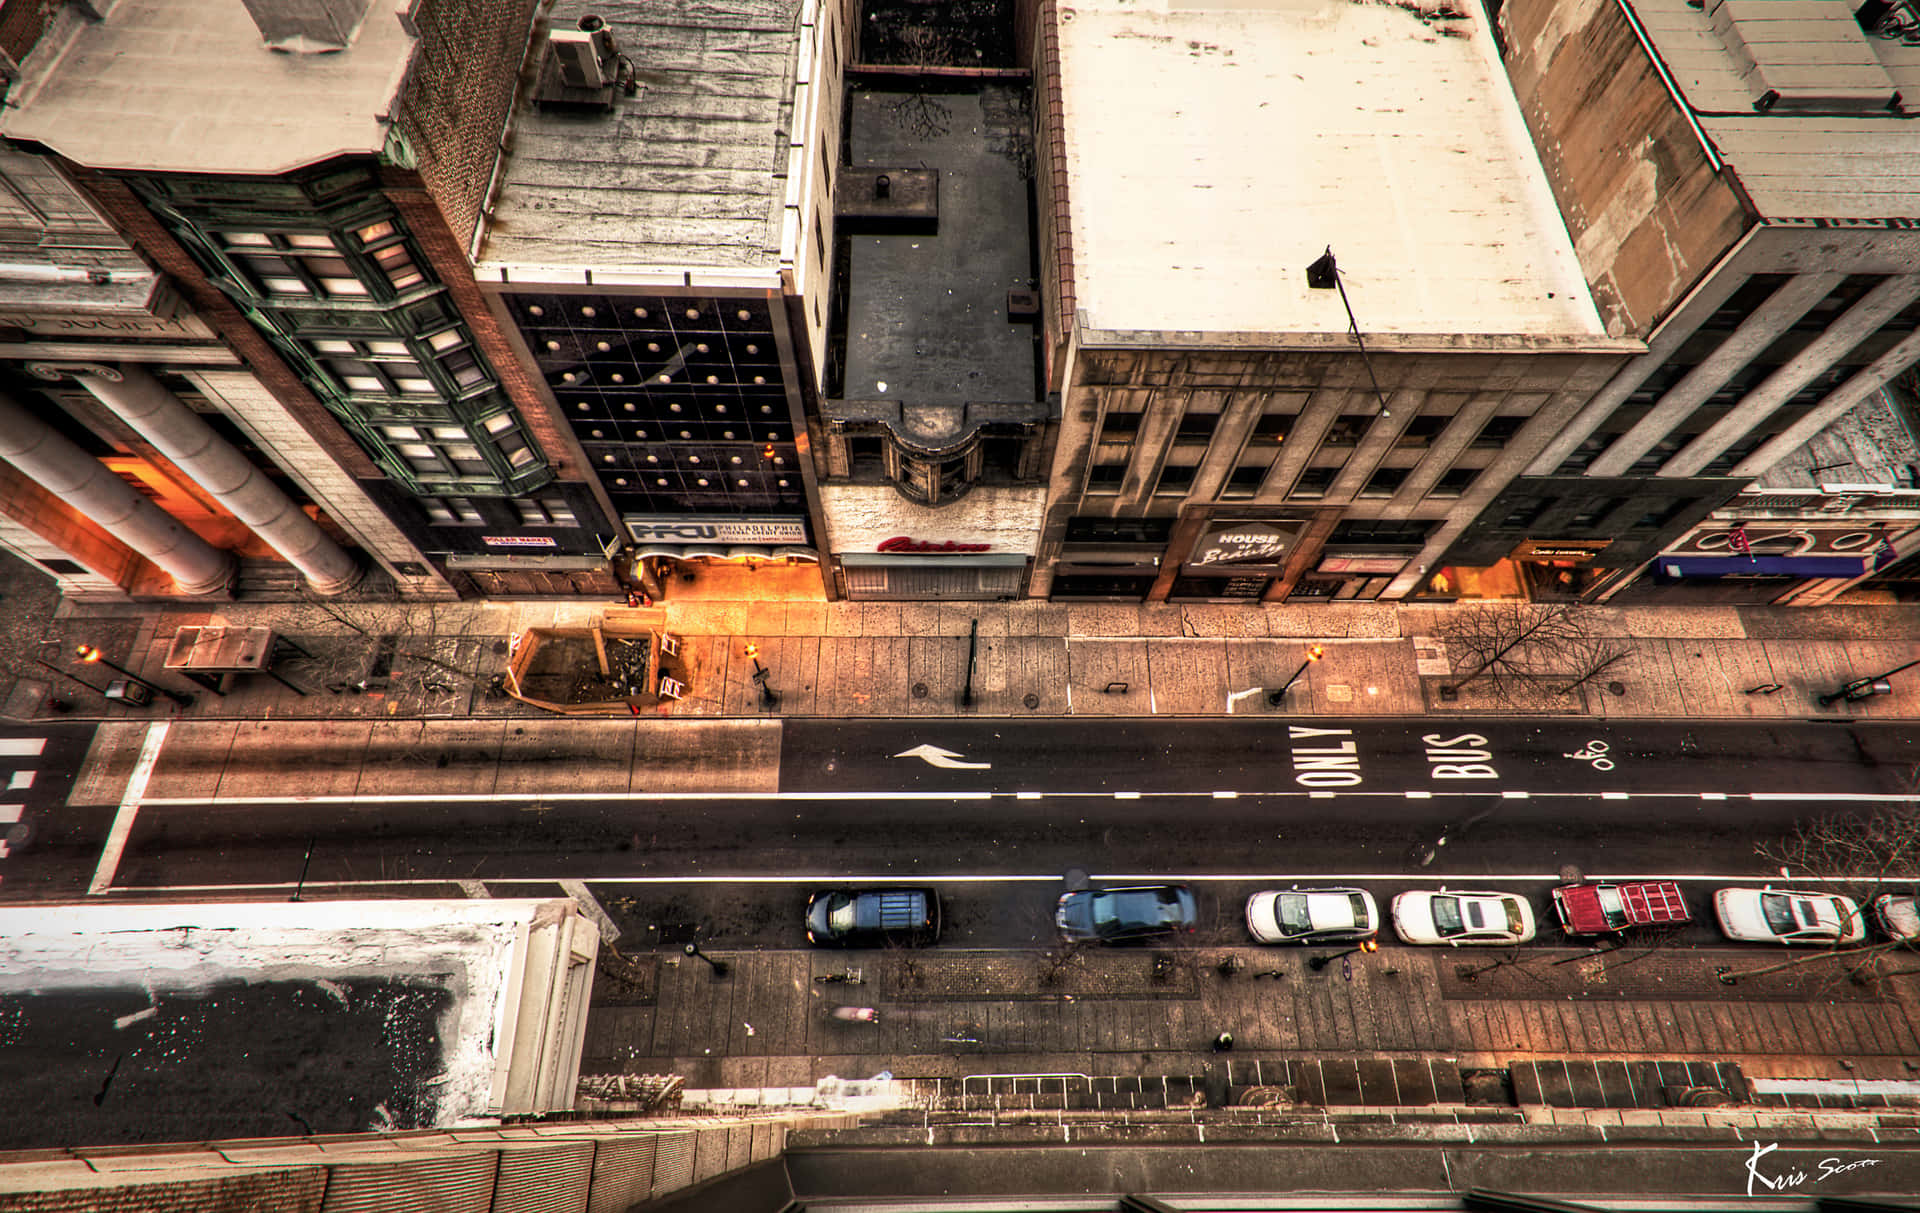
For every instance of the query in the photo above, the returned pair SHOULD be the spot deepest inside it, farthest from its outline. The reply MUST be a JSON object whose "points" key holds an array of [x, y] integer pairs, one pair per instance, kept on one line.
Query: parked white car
{"points": [[1457, 917], [1899, 916], [1770, 915], [1312, 916]]}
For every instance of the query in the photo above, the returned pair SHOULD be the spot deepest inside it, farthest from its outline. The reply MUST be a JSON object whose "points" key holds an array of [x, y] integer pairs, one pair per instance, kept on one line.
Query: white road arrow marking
{"points": [[946, 760]]}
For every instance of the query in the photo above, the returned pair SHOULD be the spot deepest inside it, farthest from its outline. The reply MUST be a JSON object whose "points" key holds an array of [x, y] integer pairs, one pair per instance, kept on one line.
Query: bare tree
{"points": [[405, 646], [1860, 857], [1515, 648]]}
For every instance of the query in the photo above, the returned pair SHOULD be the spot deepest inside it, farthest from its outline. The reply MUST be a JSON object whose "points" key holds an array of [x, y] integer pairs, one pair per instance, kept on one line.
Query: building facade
{"points": [[310, 177], [1232, 426], [1732, 177], [655, 249]]}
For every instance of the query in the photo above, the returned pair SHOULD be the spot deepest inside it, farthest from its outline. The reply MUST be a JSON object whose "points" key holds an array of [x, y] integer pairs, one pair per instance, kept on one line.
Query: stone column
{"points": [[83, 482], [185, 438]]}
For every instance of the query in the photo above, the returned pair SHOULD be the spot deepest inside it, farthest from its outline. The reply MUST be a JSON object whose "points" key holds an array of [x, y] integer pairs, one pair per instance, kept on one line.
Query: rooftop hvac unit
{"points": [[586, 56]]}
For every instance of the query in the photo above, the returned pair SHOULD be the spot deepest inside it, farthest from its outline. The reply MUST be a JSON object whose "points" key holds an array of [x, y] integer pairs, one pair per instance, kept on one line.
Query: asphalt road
{"points": [[1231, 805]]}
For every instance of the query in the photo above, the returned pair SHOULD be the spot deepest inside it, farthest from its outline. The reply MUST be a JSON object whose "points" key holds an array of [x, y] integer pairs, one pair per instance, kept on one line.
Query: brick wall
{"points": [[457, 98], [1647, 212], [21, 24], [126, 213]]}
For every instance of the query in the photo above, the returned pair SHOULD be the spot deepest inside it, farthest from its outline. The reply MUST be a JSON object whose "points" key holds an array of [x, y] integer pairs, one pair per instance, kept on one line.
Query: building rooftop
{"points": [[691, 172], [1215, 150], [1855, 160], [191, 1022], [191, 86]]}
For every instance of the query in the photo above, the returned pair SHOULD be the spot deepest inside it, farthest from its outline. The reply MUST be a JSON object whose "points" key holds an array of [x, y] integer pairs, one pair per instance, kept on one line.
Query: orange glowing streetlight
{"points": [[1276, 698]]}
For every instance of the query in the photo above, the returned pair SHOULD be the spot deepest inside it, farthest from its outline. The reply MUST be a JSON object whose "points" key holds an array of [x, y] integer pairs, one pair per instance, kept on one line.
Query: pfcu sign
{"points": [[710, 528], [905, 545]]}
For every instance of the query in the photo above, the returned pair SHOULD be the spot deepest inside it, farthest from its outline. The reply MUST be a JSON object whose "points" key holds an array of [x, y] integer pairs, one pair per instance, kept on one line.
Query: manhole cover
{"points": [[1031, 700], [1617, 688], [919, 690]]}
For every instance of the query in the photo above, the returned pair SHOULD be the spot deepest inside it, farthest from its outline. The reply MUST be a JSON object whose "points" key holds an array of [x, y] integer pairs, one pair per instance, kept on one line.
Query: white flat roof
{"points": [[190, 86], [1213, 152]]}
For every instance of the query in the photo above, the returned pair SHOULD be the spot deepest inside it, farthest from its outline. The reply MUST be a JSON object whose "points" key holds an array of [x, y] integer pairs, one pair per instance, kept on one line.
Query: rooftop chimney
{"points": [[308, 27]]}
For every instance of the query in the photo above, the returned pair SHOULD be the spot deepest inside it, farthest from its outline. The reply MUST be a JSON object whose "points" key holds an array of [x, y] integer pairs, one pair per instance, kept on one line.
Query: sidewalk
{"points": [[1033, 658], [946, 1014]]}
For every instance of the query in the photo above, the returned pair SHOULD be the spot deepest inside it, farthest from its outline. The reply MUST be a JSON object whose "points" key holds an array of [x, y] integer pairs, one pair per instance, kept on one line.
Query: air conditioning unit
{"points": [[586, 56]]}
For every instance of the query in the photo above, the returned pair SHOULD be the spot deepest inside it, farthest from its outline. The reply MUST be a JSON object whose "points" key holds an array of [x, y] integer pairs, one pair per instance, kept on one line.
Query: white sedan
{"points": [[1770, 915], [1459, 917], [1312, 916]]}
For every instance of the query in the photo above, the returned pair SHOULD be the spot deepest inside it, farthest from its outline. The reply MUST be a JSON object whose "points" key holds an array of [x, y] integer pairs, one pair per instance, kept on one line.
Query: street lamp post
{"points": [[769, 698], [1317, 963], [719, 967], [91, 655], [973, 645], [1324, 273], [1864, 688], [1276, 698]]}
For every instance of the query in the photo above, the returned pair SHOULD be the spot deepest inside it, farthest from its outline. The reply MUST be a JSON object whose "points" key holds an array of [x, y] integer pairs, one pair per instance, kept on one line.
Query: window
{"points": [[1369, 530], [545, 511], [1745, 298], [1197, 427], [1106, 477], [1385, 482], [1176, 478], [1524, 512], [292, 264], [1588, 451], [1119, 427], [1314, 482], [1273, 427], [1591, 517], [451, 511], [866, 456], [1119, 530], [1348, 428], [1498, 431], [1245, 480], [1454, 481], [1422, 430]]}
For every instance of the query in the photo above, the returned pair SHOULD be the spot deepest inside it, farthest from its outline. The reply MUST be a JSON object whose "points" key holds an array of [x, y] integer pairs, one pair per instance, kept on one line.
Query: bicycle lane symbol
{"points": [[1594, 752]]}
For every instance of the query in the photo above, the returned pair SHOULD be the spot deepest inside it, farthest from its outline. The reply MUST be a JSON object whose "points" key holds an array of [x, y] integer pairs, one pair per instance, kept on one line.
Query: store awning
{"points": [[1769, 566]]}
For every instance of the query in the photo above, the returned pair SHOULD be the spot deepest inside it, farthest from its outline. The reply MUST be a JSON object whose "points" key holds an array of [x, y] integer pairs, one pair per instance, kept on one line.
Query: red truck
{"points": [[1609, 908]]}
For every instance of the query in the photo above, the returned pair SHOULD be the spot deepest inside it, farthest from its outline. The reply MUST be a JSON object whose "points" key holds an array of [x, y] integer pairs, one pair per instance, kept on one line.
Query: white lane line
{"points": [[894, 878], [21, 779], [1226, 795], [1126, 795], [21, 747], [129, 809], [1616, 795], [10, 813], [610, 797]]}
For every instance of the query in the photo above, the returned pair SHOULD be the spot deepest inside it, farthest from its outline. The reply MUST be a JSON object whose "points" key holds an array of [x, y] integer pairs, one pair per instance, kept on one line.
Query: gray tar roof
{"points": [[691, 172]]}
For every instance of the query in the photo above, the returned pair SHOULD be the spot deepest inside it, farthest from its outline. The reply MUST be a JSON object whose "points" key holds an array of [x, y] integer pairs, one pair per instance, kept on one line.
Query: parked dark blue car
{"points": [[1117, 915]]}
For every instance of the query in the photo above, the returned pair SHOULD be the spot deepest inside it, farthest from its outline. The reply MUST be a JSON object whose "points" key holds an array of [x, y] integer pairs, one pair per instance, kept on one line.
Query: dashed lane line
{"points": [[894, 878]]}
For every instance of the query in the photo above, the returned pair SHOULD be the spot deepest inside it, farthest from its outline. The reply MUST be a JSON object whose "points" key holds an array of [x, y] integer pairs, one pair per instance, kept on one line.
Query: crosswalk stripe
{"points": [[10, 813], [21, 747], [21, 779]]}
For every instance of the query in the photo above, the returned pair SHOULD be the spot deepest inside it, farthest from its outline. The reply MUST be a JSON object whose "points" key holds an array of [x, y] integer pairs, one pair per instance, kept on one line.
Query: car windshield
{"points": [[1611, 907], [1778, 912], [1514, 923], [1359, 909], [1290, 909], [839, 913], [1446, 916]]}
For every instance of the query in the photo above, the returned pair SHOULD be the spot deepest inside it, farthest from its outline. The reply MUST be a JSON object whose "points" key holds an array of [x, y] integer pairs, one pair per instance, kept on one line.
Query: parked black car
{"points": [[867, 918], [1117, 915]]}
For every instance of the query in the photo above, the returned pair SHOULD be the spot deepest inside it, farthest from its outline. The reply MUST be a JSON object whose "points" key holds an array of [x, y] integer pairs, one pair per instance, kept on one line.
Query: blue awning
{"points": [[1770, 566]]}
